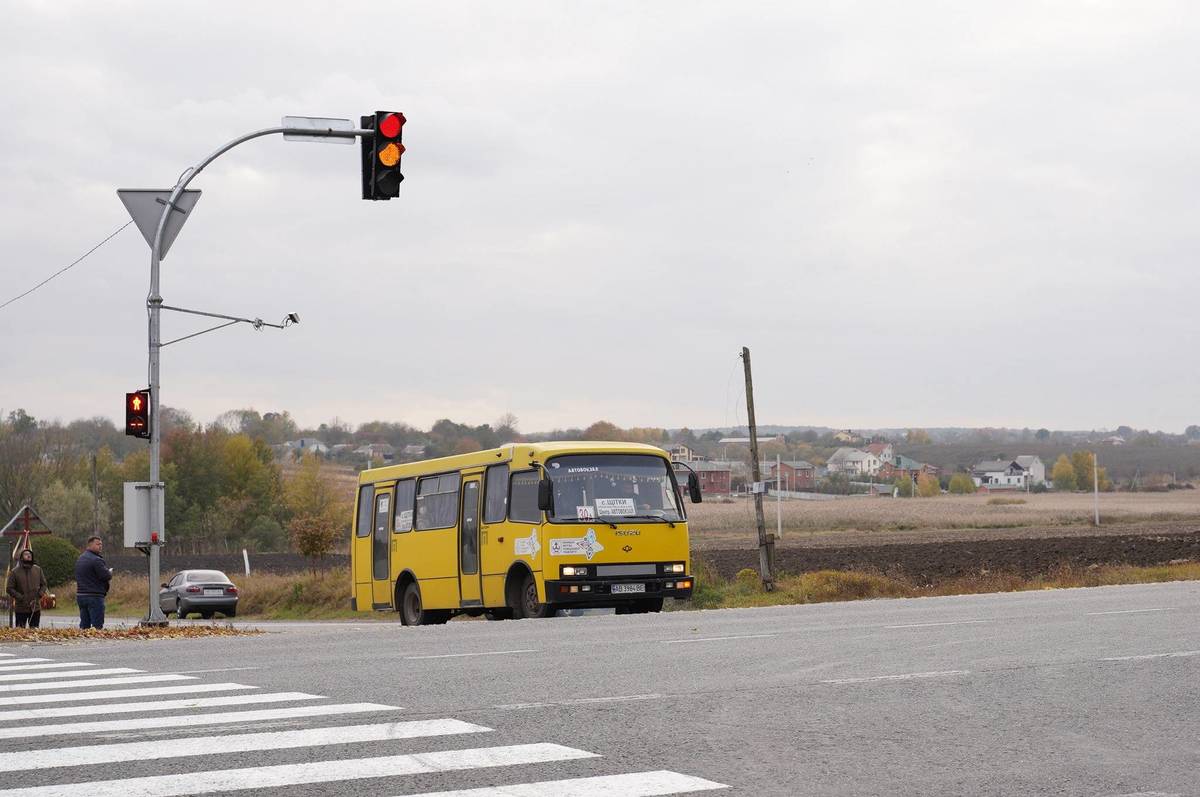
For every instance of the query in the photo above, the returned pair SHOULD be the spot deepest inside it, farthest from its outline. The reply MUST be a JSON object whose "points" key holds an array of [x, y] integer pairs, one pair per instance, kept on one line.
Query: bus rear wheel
{"points": [[413, 611]]}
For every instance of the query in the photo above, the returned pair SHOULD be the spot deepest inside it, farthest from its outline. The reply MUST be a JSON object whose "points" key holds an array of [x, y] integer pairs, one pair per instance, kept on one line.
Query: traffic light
{"points": [[381, 153], [137, 414]]}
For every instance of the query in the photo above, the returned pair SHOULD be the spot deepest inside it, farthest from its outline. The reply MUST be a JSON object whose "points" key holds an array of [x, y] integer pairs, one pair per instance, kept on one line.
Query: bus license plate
{"points": [[619, 588], [214, 592]]}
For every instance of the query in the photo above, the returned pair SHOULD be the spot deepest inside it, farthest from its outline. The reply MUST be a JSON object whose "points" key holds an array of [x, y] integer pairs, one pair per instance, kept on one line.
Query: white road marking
{"points": [[33, 676], [463, 655], [905, 677], [634, 784], [22, 715], [192, 720], [128, 679], [1177, 655], [112, 694], [53, 666], [21, 661], [1134, 611], [579, 701], [717, 638], [237, 743], [222, 669], [931, 625], [307, 773]]}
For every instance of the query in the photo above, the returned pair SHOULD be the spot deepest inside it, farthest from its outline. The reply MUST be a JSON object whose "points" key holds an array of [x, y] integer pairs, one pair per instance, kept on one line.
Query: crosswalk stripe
{"points": [[238, 743], [8, 662], [32, 676], [127, 679], [113, 694], [192, 720], [21, 715], [60, 665], [307, 773], [633, 784]]}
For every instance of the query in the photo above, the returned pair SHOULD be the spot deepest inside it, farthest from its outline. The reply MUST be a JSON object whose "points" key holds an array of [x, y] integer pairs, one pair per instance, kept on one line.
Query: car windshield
{"points": [[608, 487], [207, 575]]}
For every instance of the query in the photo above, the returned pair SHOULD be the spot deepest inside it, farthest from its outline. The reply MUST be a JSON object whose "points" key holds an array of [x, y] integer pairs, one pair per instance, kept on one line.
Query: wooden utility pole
{"points": [[766, 542]]}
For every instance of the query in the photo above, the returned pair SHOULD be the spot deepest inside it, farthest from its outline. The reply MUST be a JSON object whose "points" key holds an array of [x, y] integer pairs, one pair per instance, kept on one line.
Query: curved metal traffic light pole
{"points": [[154, 304]]}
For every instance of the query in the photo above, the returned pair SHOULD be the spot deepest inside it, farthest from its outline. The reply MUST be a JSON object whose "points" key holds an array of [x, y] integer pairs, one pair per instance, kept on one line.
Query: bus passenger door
{"points": [[470, 586], [360, 546], [381, 554]]}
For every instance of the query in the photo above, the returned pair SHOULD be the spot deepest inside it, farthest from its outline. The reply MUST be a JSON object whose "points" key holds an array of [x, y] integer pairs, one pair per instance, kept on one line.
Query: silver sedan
{"points": [[202, 592]]}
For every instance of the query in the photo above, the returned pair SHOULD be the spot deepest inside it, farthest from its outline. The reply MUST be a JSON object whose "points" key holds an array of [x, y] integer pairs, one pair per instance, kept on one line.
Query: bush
{"points": [[57, 558]]}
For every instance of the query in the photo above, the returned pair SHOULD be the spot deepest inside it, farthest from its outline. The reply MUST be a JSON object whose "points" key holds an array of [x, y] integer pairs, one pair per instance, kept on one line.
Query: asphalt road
{"points": [[1071, 692]]}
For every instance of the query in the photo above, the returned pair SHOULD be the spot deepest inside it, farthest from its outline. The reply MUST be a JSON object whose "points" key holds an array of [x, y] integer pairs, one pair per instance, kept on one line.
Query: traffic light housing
{"points": [[137, 414], [381, 155]]}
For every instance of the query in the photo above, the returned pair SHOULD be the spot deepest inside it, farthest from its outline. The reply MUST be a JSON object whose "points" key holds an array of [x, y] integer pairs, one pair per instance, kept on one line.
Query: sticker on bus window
{"points": [[404, 520], [587, 545], [615, 506], [383, 503], [527, 546], [585, 513]]}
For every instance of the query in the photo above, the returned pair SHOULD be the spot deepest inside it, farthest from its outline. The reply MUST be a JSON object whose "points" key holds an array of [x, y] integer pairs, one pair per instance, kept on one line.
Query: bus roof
{"points": [[521, 454]]}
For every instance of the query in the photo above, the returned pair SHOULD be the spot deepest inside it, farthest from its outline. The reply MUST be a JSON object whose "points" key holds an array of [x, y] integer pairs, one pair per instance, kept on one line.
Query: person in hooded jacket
{"points": [[26, 585]]}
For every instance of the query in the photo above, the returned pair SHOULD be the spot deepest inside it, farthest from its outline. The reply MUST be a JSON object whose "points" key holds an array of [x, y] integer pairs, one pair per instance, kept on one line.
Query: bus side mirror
{"points": [[546, 495], [694, 488]]}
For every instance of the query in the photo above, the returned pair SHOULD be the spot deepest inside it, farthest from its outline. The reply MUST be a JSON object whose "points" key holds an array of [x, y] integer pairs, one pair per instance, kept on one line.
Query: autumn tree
{"points": [[962, 484], [917, 437], [903, 487], [928, 486], [1063, 474]]}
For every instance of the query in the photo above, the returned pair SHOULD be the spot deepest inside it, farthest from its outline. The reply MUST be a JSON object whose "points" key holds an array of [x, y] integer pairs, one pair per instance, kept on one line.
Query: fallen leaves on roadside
{"points": [[135, 632]]}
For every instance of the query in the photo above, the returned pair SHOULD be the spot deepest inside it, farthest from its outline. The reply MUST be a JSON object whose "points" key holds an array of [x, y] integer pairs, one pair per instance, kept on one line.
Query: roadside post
{"points": [[160, 215], [766, 541]]}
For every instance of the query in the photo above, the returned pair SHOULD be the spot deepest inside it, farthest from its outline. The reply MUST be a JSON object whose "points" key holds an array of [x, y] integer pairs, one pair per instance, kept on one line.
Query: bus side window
{"points": [[496, 494], [405, 493], [523, 505], [366, 503]]}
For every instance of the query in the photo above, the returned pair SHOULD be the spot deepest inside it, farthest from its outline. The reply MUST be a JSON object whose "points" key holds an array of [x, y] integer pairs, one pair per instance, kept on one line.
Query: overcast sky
{"points": [[914, 214]]}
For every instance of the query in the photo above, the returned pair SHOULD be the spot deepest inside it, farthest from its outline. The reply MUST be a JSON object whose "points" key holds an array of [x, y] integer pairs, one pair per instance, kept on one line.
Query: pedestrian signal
{"points": [[137, 414]]}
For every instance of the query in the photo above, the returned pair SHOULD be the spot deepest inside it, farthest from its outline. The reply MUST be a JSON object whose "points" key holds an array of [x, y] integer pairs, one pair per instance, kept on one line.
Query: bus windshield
{"points": [[609, 487]]}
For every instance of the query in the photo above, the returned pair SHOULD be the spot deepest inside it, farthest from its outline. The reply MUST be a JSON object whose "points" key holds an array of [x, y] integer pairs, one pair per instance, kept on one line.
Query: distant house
{"points": [[884, 451], [716, 477], [903, 467], [795, 474], [412, 452], [999, 475], [306, 445], [1114, 440], [382, 451], [681, 453], [846, 436], [1035, 469], [853, 462]]}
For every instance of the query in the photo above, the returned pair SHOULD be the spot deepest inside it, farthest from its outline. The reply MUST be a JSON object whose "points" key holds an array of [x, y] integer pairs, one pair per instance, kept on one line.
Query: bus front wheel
{"points": [[413, 611], [527, 604]]}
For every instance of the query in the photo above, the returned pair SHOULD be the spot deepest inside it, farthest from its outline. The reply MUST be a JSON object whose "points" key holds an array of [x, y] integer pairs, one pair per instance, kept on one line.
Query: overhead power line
{"points": [[76, 262]]}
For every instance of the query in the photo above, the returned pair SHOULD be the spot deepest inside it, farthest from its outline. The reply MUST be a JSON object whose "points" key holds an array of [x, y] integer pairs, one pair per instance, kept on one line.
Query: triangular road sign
{"points": [[146, 207]]}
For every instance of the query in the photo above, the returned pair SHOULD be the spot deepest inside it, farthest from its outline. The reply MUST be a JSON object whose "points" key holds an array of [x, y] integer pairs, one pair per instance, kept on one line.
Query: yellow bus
{"points": [[522, 531]]}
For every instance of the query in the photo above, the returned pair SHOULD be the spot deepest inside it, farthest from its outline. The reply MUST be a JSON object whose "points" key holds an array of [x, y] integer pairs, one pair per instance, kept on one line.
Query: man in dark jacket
{"points": [[26, 585], [92, 575]]}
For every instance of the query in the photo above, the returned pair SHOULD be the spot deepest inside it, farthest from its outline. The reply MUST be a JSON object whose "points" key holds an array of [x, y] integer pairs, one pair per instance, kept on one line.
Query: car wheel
{"points": [[206, 615], [184, 610], [231, 612]]}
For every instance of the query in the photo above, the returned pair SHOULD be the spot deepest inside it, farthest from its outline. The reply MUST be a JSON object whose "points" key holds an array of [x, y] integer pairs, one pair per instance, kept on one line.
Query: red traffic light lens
{"points": [[391, 124]]}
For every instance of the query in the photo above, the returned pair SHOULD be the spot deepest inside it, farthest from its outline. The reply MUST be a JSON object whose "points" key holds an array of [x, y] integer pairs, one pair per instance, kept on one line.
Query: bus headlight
{"points": [[574, 570], [673, 568]]}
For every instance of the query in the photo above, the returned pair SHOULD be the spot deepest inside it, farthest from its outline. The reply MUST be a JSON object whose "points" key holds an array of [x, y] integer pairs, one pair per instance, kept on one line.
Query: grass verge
{"points": [[122, 632], [744, 590]]}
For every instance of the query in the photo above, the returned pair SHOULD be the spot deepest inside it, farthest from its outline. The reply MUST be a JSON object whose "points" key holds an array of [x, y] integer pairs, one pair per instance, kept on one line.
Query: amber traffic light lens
{"points": [[390, 155]]}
